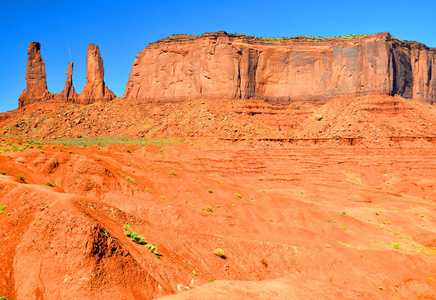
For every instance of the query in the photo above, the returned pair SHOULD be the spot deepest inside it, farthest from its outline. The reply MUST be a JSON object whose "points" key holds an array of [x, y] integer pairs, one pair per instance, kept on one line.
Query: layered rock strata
{"points": [[227, 66]]}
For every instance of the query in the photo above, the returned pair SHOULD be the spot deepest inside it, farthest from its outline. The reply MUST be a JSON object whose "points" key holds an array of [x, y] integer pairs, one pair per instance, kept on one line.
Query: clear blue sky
{"points": [[123, 30]]}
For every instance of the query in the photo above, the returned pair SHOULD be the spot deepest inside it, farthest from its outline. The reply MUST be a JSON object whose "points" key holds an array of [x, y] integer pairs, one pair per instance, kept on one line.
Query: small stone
{"points": [[318, 117]]}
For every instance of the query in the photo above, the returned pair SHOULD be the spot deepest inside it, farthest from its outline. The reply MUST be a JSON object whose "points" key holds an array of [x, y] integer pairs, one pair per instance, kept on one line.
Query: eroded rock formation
{"points": [[69, 93], [227, 66], [36, 89], [95, 89], [230, 66]]}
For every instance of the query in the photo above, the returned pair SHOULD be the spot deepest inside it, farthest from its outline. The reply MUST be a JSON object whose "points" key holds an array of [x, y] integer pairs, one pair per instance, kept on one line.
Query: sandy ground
{"points": [[293, 222]]}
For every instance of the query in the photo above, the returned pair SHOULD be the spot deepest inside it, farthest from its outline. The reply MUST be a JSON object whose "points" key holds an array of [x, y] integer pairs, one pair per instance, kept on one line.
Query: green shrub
{"points": [[219, 253], [138, 239], [238, 196], [396, 246], [2, 208], [20, 177], [210, 191], [172, 173], [133, 235], [3, 298], [131, 180], [49, 184], [209, 209], [3, 173], [153, 249]]}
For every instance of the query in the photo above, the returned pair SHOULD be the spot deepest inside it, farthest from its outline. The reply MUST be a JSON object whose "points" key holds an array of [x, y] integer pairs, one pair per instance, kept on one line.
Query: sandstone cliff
{"points": [[227, 66], [95, 88]]}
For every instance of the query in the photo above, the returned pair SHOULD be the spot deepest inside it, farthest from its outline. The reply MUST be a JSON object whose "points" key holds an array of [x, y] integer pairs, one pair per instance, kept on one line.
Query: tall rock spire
{"points": [[95, 88], [36, 89], [69, 93]]}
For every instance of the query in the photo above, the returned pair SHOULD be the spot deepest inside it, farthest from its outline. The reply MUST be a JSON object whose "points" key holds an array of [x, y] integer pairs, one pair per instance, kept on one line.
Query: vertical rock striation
{"points": [[36, 89], [69, 93], [95, 89], [228, 66]]}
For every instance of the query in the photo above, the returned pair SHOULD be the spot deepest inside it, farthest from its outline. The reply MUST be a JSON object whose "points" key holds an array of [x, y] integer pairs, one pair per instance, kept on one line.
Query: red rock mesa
{"points": [[229, 66]]}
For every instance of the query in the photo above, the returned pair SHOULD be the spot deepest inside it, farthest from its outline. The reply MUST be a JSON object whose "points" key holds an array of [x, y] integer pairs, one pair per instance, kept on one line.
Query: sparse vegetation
{"points": [[139, 239], [2, 208], [21, 177], [3, 173], [209, 209], [210, 191], [238, 196], [219, 253], [396, 246], [49, 184], [172, 173]]}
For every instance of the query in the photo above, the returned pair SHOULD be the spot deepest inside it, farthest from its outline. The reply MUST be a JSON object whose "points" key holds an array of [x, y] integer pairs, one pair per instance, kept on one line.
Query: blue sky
{"points": [[123, 30]]}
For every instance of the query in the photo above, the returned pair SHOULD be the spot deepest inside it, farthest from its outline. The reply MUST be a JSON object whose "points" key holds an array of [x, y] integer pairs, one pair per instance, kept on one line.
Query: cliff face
{"points": [[95, 89], [221, 65]]}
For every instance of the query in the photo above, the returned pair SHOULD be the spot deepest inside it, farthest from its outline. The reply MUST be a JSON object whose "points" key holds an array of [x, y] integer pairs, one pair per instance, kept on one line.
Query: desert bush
{"points": [[219, 253], [49, 184], [133, 235], [131, 180], [20, 177]]}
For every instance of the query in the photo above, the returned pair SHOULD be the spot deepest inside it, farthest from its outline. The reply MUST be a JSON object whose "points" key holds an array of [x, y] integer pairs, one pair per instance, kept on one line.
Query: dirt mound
{"points": [[368, 121]]}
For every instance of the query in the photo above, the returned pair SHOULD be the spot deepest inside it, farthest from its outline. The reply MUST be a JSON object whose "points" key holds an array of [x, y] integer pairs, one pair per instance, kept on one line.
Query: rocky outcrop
{"points": [[95, 89], [69, 93], [227, 66], [36, 89]]}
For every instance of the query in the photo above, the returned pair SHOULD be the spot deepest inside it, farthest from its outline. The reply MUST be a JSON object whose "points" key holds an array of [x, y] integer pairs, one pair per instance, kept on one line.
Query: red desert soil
{"points": [[328, 220]]}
